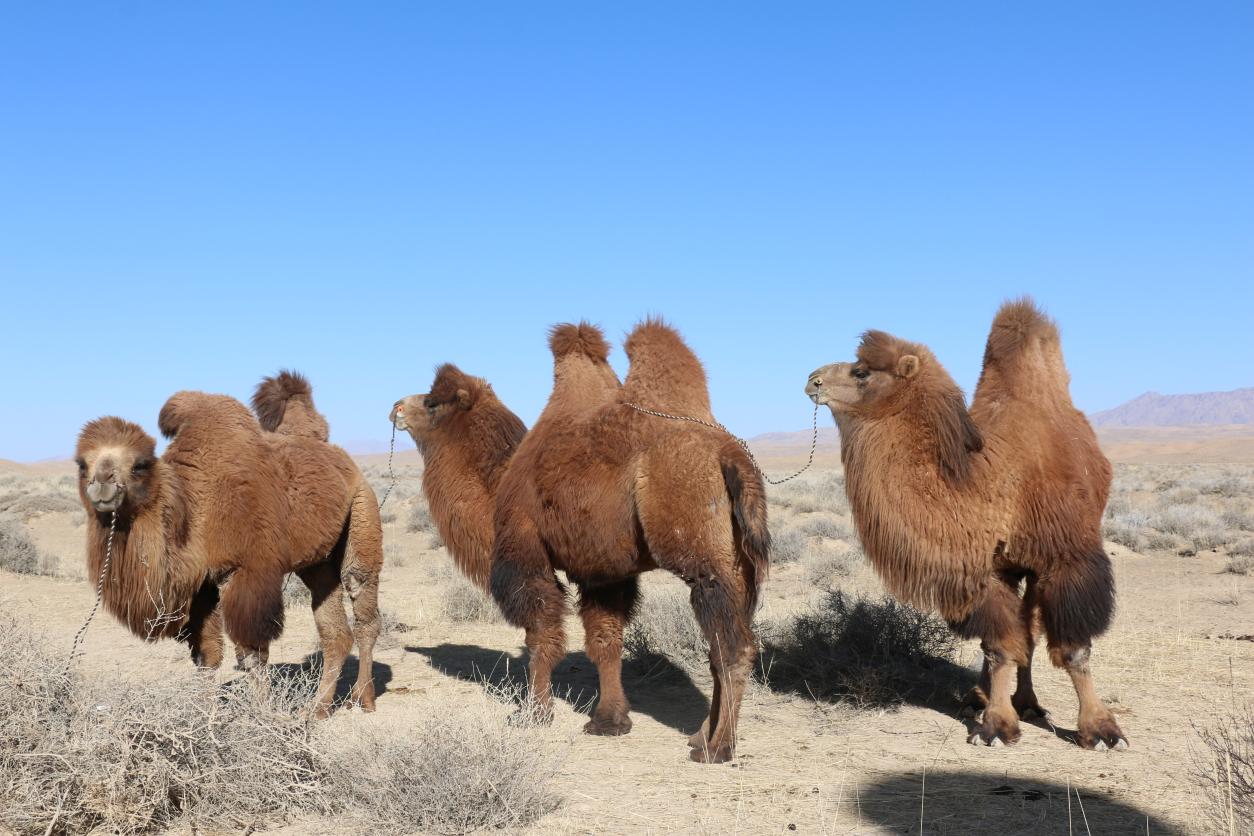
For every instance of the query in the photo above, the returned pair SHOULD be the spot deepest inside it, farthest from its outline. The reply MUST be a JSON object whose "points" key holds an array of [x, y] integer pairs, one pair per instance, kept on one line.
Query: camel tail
{"points": [[1024, 348], [284, 404], [747, 490]]}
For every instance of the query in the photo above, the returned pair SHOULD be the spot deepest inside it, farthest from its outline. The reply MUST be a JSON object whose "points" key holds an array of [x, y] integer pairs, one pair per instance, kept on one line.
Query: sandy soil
{"points": [[805, 766]]}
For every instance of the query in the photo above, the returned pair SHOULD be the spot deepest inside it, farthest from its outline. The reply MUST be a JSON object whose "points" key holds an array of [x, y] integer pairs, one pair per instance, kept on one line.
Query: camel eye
{"points": [[140, 466], [82, 466], [861, 374]]}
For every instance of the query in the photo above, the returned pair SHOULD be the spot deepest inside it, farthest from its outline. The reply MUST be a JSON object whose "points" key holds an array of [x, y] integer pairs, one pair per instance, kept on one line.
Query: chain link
{"points": [[715, 425], [104, 570], [391, 475]]}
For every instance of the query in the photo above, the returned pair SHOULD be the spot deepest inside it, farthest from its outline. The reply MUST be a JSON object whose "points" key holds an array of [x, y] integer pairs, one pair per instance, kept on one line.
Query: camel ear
{"points": [[907, 366], [463, 398]]}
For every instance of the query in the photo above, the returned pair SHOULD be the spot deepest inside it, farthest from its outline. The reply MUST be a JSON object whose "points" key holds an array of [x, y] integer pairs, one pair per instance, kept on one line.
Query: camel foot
{"points": [[321, 711], [364, 697], [1102, 735], [996, 730], [698, 740], [718, 754], [973, 703], [608, 726]]}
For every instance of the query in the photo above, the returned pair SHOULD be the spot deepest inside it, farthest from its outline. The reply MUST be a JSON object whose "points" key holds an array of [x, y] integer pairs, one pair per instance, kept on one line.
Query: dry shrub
{"points": [[788, 545], [666, 629], [1127, 528], [827, 527], [1237, 518], [826, 562], [420, 518], [17, 551], [855, 650], [1224, 768], [27, 505], [464, 768], [136, 758], [79, 755], [1241, 564], [463, 602]]}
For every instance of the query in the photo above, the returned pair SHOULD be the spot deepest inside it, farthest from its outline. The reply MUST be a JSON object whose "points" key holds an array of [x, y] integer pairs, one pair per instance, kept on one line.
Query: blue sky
{"points": [[195, 195]]}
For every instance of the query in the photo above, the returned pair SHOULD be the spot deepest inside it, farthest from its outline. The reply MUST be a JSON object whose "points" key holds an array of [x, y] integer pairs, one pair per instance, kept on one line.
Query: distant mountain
{"points": [[1205, 408]]}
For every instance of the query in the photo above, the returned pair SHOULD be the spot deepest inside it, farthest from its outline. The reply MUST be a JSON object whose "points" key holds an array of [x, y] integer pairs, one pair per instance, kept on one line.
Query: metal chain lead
{"points": [[391, 475], [715, 425], [104, 570]]}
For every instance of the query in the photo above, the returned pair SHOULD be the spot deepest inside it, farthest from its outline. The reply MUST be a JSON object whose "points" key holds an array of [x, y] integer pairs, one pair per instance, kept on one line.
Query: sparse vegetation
{"points": [[420, 518], [1224, 768], [80, 755], [464, 602], [17, 552], [665, 628], [856, 650]]}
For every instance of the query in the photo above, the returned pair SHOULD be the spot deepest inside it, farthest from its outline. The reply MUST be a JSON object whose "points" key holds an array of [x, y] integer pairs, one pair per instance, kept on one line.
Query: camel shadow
{"points": [[666, 692], [950, 802]]}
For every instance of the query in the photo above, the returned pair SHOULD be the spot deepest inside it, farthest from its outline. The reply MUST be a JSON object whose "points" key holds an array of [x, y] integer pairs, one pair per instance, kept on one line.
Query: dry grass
{"points": [[96, 754], [18, 552], [665, 628], [463, 602], [847, 649], [1224, 768]]}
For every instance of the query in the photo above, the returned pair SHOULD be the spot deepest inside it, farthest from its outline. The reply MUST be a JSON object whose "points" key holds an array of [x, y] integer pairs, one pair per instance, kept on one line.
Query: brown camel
{"points": [[466, 438], [206, 532], [956, 508], [604, 492]]}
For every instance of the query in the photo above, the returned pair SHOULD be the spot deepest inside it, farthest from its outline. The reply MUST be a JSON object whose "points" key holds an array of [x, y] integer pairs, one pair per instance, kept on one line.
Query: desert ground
{"points": [[852, 726]]}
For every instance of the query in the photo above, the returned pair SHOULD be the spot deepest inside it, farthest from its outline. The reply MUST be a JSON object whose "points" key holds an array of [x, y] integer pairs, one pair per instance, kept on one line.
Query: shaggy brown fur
{"points": [[284, 405], [604, 493], [207, 531], [466, 437], [957, 508]]}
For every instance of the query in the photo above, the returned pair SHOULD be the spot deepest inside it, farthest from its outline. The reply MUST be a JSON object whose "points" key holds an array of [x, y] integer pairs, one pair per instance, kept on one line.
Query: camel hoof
{"points": [[997, 730], [1033, 712], [1121, 745], [1102, 735], [1100, 747], [608, 726], [995, 743], [719, 754]]}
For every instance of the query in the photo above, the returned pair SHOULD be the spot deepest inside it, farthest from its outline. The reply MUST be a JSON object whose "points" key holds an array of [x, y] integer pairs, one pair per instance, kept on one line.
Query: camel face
{"points": [[860, 388], [410, 415], [116, 460]]}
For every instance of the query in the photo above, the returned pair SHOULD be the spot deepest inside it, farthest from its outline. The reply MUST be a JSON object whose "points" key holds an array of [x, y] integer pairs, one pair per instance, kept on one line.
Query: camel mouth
{"points": [[108, 506]]}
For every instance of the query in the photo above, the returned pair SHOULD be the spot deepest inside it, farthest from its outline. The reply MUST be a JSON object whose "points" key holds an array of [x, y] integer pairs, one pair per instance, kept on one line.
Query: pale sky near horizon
{"points": [[199, 194]]}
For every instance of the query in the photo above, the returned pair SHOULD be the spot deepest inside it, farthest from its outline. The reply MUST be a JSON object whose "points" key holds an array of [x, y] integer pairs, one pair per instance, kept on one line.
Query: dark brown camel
{"points": [[604, 493], [957, 508]]}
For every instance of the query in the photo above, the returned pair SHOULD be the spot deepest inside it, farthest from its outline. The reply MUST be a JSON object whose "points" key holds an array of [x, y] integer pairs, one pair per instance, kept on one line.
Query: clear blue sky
{"points": [[194, 195]]}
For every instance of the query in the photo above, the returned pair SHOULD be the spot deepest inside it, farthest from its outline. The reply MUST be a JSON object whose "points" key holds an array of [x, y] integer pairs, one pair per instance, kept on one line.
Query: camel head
{"points": [[875, 383], [117, 466], [892, 377], [453, 394]]}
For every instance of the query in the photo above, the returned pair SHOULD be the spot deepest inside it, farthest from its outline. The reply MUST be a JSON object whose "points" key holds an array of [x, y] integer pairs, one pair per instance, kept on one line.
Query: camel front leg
{"points": [[605, 612], [1097, 728], [204, 627]]}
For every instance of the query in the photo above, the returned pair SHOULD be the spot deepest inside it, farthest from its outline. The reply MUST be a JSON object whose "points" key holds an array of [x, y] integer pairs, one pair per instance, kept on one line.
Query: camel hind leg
{"points": [[995, 620], [1024, 700], [1077, 602], [359, 573], [720, 606], [605, 611], [323, 580]]}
